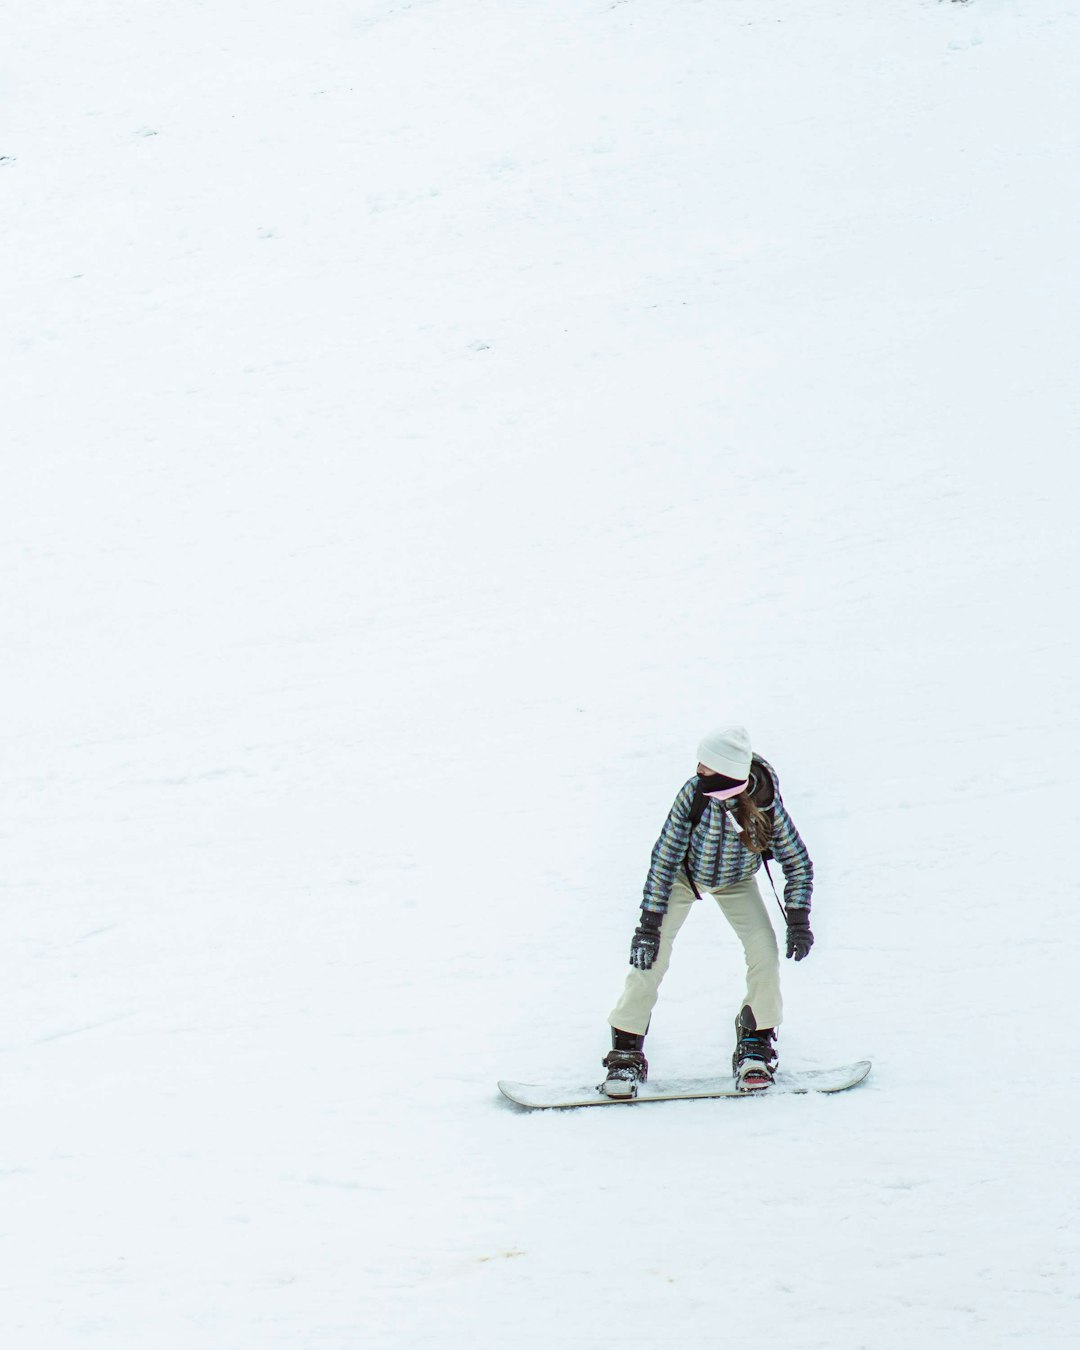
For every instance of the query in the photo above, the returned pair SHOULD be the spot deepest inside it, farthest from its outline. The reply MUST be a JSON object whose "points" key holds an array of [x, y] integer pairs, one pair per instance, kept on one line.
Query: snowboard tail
{"points": [[555, 1096]]}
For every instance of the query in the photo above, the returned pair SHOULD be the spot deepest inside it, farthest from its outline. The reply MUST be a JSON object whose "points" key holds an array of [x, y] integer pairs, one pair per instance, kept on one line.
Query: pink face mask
{"points": [[725, 794]]}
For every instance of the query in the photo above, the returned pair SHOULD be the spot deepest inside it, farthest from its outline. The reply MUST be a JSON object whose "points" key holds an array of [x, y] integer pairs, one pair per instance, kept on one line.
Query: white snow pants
{"points": [[745, 910]]}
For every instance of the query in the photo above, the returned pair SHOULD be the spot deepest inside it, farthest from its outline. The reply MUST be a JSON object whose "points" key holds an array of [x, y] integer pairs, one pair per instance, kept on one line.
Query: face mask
{"points": [[725, 789]]}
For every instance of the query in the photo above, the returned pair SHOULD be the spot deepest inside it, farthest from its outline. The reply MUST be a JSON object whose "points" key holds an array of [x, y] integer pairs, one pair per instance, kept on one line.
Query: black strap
{"points": [[766, 855], [697, 810]]}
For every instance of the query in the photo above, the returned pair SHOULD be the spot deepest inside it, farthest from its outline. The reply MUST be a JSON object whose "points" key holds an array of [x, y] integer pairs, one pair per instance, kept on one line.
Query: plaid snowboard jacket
{"points": [[718, 857]]}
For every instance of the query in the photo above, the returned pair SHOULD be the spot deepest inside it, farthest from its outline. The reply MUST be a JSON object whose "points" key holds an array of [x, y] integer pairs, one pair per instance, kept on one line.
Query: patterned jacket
{"points": [[718, 857]]}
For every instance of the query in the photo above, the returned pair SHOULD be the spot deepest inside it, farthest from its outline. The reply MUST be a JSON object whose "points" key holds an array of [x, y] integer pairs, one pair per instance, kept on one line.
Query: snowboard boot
{"points": [[626, 1065], [754, 1060]]}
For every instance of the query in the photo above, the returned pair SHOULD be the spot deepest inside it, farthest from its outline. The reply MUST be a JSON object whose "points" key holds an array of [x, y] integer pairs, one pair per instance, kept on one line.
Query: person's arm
{"points": [[669, 853], [790, 852], [788, 847]]}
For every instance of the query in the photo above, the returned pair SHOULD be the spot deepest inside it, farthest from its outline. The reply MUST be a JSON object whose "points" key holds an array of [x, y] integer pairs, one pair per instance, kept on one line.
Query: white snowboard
{"points": [[547, 1096]]}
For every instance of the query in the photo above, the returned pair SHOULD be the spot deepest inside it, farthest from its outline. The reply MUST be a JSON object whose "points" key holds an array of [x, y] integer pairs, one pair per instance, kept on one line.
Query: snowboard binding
{"points": [[626, 1065], [755, 1059]]}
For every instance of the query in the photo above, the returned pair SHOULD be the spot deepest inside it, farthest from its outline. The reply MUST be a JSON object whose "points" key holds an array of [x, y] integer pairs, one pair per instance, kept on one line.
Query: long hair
{"points": [[756, 826]]}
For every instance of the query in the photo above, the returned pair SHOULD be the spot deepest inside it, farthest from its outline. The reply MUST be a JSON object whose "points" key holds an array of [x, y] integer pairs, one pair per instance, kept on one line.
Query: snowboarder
{"points": [[725, 821]]}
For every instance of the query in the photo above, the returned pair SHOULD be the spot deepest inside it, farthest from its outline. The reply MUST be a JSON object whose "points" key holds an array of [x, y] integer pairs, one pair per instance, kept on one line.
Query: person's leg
{"points": [[745, 910], [642, 988]]}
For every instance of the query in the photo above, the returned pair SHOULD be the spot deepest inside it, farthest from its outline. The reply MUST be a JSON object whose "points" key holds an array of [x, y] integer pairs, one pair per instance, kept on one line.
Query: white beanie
{"points": [[727, 751]]}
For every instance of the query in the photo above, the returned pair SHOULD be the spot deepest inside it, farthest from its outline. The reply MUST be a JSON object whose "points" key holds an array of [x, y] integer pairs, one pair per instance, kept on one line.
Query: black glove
{"points": [[799, 937], [646, 940]]}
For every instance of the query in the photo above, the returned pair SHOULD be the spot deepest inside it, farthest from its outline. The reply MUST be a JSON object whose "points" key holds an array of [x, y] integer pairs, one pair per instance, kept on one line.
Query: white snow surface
{"points": [[421, 420]]}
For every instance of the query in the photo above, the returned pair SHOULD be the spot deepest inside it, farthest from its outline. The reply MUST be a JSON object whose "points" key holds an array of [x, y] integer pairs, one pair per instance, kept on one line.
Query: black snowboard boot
{"points": [[626, 1064], [754, 1060]]}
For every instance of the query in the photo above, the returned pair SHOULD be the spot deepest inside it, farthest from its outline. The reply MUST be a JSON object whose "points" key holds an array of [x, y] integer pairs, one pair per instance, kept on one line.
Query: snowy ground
{"points": [[420, 422]]}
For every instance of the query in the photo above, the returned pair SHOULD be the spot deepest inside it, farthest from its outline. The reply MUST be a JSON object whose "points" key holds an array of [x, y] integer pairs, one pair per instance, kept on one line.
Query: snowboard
{"points": [[542, 1097]]}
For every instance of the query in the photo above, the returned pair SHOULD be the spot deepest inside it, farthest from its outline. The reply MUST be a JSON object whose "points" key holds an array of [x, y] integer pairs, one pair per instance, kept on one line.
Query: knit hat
{"points": [[727, 751]]}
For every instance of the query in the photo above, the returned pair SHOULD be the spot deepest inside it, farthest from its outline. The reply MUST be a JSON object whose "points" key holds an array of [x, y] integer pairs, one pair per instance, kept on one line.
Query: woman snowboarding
{"points": [[725, 821]]}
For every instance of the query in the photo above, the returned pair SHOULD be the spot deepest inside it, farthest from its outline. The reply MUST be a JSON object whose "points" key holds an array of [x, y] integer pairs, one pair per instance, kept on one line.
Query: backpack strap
{"points": [[768, 872], [697, 810]]}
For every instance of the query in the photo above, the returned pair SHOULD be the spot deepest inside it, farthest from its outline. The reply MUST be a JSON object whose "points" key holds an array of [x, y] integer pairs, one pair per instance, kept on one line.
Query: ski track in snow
{"points": [[420, 421]]}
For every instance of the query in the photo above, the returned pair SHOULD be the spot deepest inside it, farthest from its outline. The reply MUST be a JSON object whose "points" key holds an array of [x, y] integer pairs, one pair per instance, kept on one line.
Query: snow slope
{"points": [[420, 422]]}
